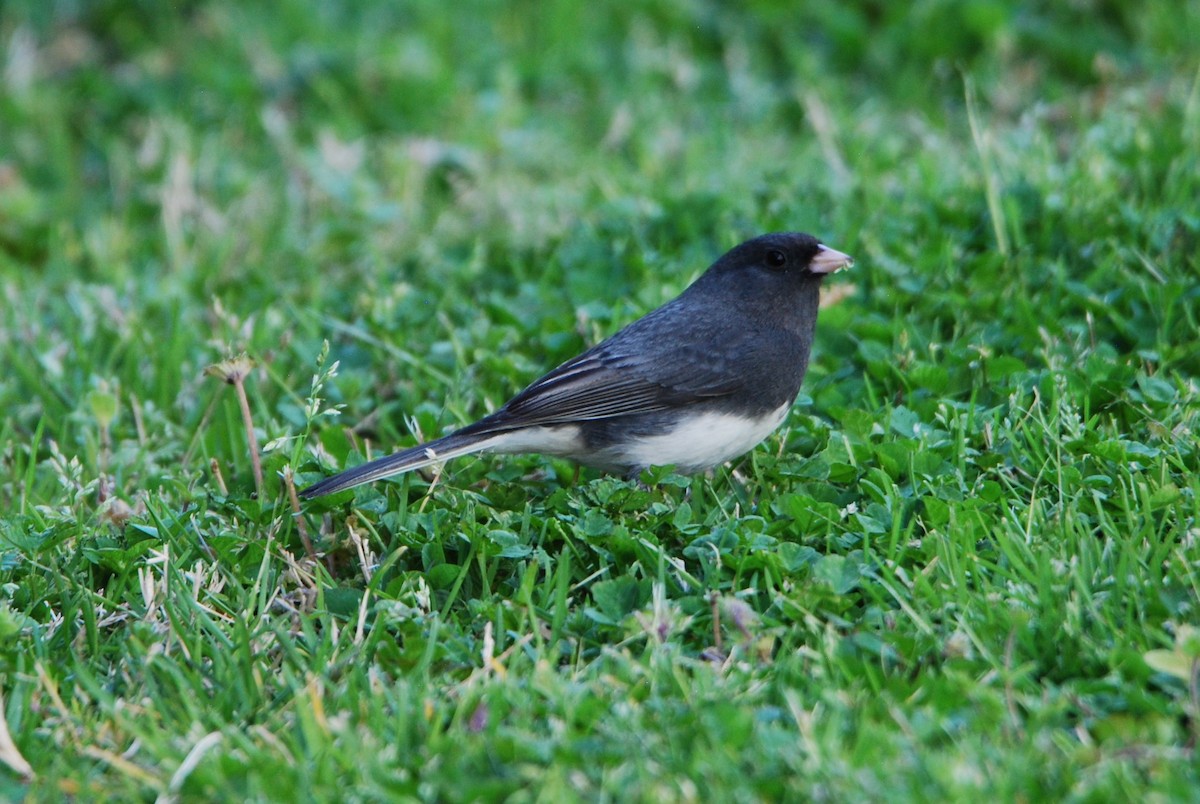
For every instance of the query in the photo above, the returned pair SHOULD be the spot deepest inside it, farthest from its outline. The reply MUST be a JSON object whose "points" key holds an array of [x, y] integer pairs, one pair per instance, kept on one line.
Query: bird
{"points": [[694, 383]]}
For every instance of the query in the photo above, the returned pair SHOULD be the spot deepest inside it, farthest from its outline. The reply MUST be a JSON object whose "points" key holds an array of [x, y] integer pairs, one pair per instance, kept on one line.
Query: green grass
{"points": [[967, 566]]}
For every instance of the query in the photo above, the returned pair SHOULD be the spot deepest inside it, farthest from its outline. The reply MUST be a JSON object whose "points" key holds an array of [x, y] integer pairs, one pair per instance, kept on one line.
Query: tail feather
{"points": [[442, 449]]}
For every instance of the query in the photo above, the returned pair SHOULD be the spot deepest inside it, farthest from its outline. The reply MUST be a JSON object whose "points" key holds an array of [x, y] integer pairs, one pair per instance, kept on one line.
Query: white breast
{"points": [[701, 441]]}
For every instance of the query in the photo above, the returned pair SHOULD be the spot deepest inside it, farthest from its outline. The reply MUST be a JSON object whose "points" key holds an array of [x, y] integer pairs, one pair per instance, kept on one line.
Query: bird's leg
{"points": [[634, 476], [714, 604]]}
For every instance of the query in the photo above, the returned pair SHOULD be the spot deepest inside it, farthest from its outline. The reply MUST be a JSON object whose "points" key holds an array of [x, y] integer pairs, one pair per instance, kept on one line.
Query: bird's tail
{"points": [[442, 449]]}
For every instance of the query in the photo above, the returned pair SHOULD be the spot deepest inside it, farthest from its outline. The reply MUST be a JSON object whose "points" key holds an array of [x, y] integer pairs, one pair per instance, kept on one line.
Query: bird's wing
{"points": [[650, 366]]}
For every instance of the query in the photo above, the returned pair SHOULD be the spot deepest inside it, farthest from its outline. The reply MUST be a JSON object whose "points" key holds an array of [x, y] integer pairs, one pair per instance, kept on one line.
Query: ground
{"points": [[965, 566]]}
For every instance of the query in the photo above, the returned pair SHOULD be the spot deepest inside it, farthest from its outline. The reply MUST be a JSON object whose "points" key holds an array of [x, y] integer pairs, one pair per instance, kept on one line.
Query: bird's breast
{"points": [[691, 441]]}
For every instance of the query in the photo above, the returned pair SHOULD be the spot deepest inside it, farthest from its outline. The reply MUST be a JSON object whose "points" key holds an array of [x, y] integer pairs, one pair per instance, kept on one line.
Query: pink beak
{"points": [[829, 260]]}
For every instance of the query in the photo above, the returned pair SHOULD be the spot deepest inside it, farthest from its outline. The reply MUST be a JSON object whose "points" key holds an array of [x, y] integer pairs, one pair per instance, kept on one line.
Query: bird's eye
{"points": [[776, 258]]}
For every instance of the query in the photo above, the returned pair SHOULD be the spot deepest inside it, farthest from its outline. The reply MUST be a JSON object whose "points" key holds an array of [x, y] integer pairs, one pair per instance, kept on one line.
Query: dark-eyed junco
{"points": [[697, 382]]}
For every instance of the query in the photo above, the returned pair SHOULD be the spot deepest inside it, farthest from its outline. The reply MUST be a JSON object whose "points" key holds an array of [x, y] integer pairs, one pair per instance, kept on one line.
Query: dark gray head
{"points": [[780, 271], [791, 254]]}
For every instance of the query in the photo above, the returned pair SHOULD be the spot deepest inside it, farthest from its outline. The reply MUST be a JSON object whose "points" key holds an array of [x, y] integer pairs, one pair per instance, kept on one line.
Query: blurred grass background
{"points": [[966, 566]]}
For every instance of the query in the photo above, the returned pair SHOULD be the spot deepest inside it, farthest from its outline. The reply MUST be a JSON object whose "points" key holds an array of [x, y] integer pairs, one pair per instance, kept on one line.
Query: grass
{"points": [[967, 565]]}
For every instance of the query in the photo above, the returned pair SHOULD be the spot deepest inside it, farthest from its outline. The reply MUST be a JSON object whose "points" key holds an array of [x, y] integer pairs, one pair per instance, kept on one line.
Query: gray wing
{"points": [[657, 363]]}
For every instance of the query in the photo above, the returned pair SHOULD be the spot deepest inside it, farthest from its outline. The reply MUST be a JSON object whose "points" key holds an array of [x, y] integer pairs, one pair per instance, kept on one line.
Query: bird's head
{"points": [[791, 254], [784, 268]]}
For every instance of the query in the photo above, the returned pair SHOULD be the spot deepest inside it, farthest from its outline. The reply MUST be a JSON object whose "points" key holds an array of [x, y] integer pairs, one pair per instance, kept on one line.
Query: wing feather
{"points": [[654, 364]]}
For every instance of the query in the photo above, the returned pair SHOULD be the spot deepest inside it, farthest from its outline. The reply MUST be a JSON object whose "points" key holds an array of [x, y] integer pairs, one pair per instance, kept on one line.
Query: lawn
{"points": [[966, 566]]}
